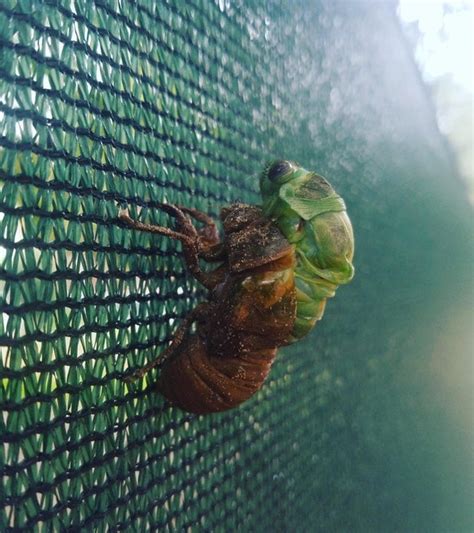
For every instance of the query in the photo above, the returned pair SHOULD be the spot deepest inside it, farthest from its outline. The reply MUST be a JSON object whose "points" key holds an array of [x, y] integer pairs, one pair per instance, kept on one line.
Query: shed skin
{"points": [[250, 313]]}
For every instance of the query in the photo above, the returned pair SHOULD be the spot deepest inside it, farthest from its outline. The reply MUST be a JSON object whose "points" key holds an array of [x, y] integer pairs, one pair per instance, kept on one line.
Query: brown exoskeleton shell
{"points": [[250, 310]]}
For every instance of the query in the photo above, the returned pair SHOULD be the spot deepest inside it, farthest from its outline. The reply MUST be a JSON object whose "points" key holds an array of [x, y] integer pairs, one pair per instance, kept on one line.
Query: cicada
{"points": [[276, 264]]}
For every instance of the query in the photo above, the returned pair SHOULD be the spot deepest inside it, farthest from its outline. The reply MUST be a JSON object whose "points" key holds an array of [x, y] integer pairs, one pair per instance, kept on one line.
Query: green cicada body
{"points": [[278, 264], [313, 218]]}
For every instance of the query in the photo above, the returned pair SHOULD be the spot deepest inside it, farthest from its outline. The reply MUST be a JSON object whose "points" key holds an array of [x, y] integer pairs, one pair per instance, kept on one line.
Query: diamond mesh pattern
{"points": [[121, 102]]}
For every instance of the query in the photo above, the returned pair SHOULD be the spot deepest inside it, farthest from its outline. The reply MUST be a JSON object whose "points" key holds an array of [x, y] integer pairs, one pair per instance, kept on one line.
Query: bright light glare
{"points": [[442, 34], [445, 44]]}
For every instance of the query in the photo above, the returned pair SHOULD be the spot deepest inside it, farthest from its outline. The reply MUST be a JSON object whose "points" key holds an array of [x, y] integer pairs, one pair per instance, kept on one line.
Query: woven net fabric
{"points": [[109, 103]]}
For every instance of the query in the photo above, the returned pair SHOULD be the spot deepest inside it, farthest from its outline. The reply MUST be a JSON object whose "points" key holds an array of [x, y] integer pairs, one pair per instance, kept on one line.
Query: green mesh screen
{"points": [[117, 102]]}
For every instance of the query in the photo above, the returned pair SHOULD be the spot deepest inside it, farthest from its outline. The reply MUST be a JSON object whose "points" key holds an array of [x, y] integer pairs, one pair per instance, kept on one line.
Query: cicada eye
{"points": [[278, 169]]}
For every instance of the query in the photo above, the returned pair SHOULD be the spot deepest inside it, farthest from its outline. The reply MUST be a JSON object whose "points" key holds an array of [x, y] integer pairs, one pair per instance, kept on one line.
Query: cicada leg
{"points": [[188, 235], [211, 249], [209, 234], [197, 313]]}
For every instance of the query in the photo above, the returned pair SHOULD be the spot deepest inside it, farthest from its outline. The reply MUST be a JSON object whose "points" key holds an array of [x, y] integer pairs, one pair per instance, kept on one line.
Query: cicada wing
{"points": [[311, 196]]}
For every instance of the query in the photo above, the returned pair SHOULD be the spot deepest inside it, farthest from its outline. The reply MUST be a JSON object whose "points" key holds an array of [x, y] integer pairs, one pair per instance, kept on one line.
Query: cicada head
{"points": [[274, 175], [284, 184]]}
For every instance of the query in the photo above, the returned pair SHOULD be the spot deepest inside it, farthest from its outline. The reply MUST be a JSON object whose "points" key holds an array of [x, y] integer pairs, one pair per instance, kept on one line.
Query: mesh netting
{"points": [[117, 102]]}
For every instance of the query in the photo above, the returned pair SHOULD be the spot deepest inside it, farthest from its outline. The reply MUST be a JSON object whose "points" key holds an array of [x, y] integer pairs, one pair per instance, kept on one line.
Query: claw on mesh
{"points": [[123, 213], [132, 378]]}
